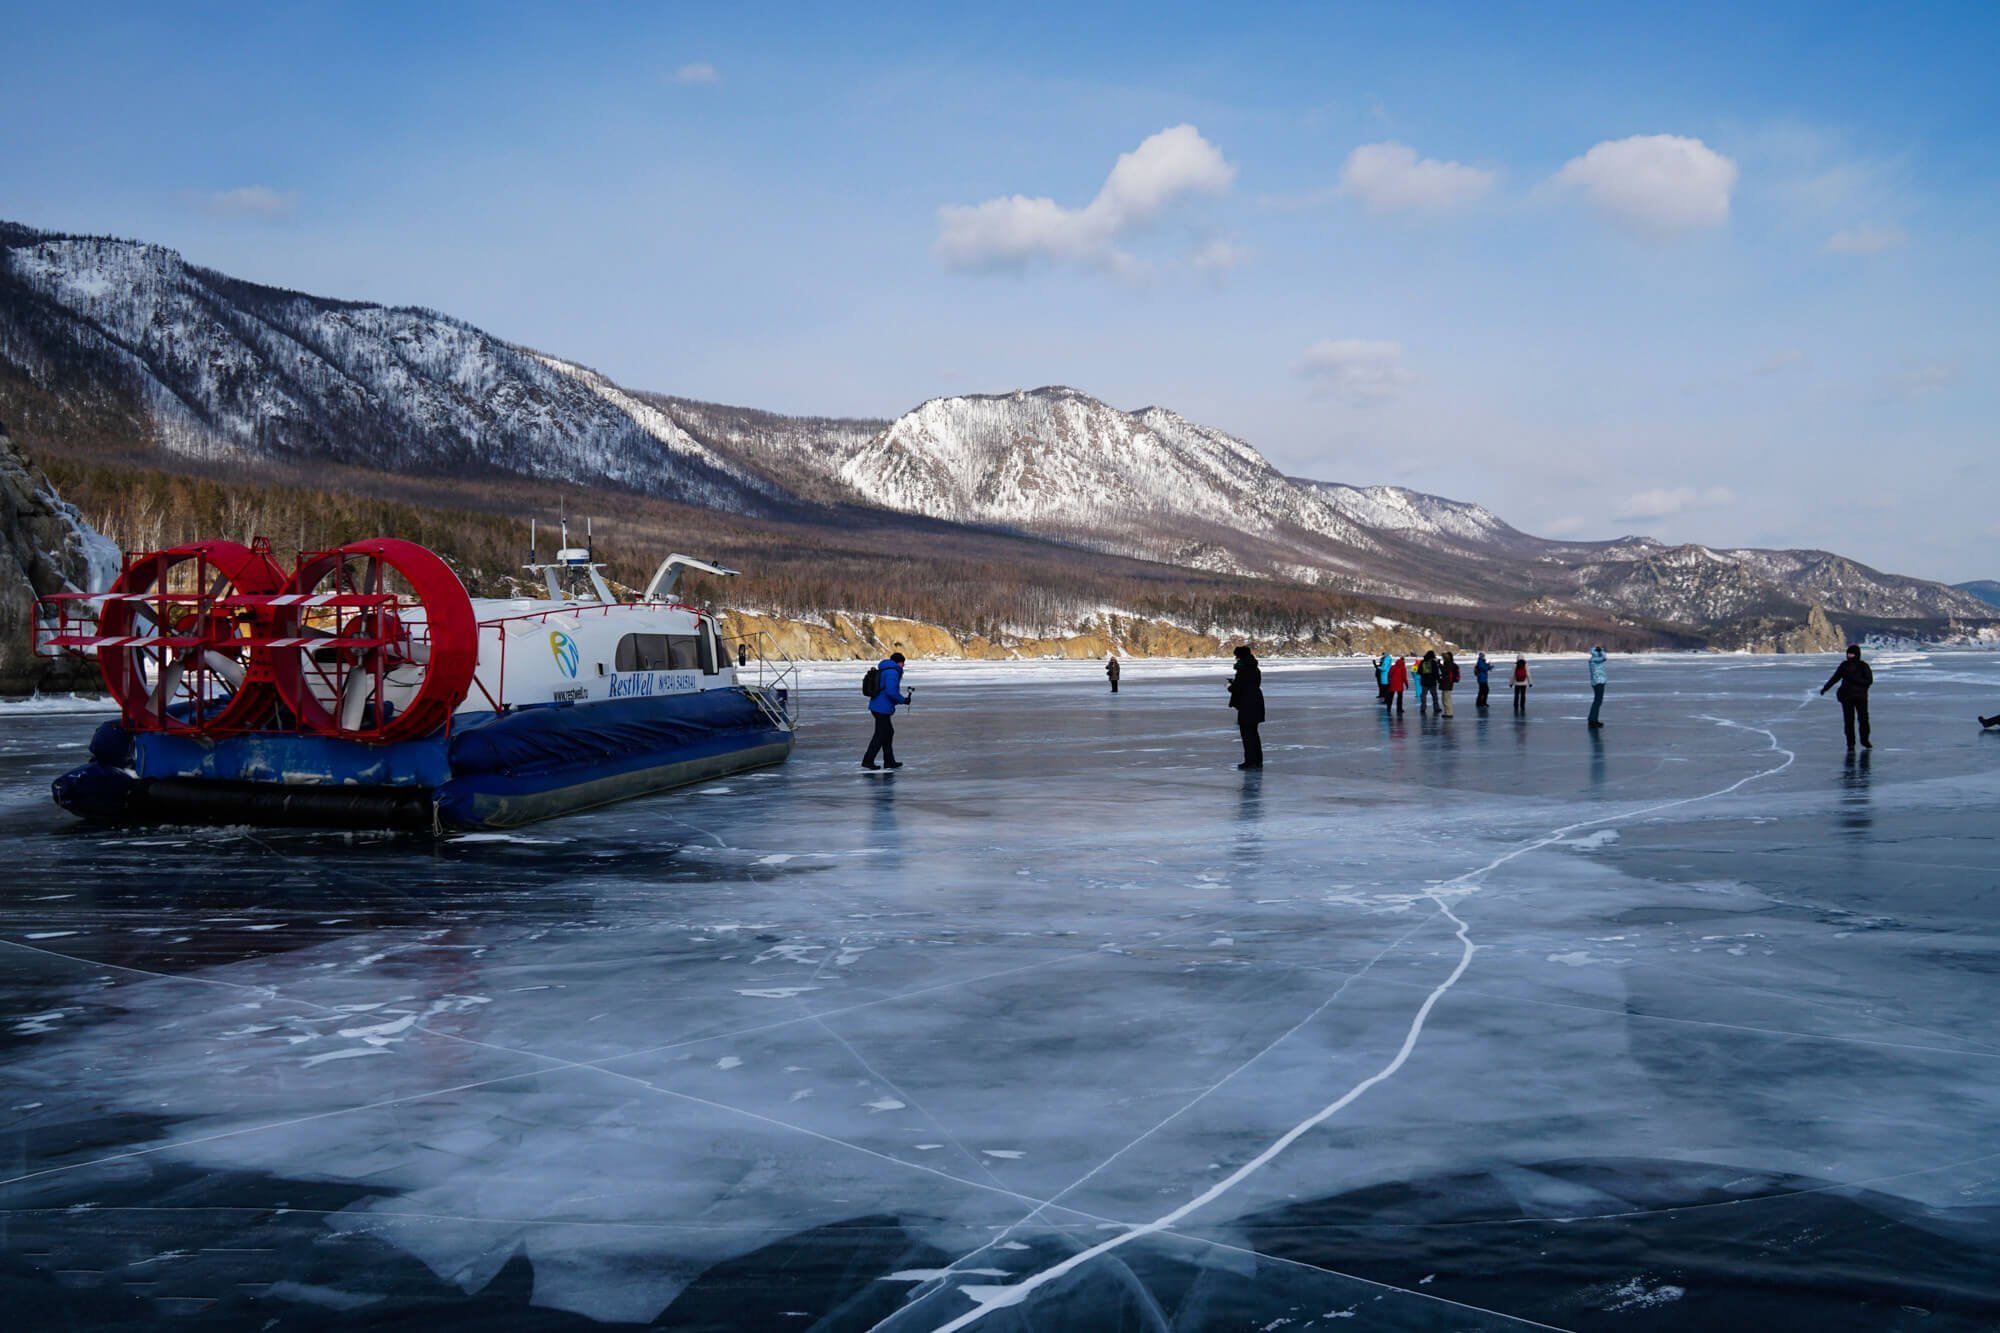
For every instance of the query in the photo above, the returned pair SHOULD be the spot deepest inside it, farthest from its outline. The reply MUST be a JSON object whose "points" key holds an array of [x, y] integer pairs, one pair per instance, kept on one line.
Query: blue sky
{"points": [[1711, 273]]}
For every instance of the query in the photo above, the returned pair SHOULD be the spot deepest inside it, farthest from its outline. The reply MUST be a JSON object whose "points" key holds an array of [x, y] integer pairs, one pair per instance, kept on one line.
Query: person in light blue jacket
{"points": [[1600, 672], [889, 692]]}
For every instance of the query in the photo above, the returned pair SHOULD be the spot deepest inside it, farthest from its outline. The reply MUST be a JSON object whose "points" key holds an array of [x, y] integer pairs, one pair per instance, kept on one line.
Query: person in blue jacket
{"points": [[1600, 672], [1481, 671], [883, 706]]}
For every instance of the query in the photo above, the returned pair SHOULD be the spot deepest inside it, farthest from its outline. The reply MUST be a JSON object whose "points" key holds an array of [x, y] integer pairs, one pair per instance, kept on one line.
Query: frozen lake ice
{"points": [[1478, 1023]]}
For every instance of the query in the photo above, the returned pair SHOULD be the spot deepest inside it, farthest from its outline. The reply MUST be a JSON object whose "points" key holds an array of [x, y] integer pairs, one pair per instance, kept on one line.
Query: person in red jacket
{"points": [[1399, 681]]}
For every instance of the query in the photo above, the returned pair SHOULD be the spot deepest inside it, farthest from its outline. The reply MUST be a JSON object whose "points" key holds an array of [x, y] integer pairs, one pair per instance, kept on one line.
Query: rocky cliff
{"points": [[866, 638], [45, 547]]}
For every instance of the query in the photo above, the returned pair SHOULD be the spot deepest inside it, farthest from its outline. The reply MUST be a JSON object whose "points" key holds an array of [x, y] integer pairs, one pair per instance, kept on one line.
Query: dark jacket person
{"points": [[1246, 696], [1854, 676]]}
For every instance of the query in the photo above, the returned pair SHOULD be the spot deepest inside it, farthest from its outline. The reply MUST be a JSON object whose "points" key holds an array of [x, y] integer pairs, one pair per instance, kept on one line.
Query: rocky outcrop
{"points": [[1817, 635], [45, 547]]}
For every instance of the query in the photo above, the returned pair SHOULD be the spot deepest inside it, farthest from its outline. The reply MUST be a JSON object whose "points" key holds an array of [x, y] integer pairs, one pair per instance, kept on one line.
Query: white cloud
{"points": [[1656, 185], [1015, 230], [1866, 240], [1780, 361], [1220, 256], [1387, 177], [246, 201], [1356, 370], [1921, 381], [1666, 501], [696, 74]]}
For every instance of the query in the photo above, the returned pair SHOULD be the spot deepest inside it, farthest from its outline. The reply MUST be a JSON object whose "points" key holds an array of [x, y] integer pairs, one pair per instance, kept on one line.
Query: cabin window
{"points": [[642, 652], [661, 652], [709, 665]]}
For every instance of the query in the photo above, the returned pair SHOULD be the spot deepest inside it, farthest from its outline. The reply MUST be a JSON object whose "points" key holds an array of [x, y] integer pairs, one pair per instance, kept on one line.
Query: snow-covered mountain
{"points": [[197, 364], [224, 369], [1059, 462]]}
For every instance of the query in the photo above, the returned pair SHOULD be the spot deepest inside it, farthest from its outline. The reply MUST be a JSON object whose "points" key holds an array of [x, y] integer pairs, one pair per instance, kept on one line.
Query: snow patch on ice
{"points": [[1635, 1294]]}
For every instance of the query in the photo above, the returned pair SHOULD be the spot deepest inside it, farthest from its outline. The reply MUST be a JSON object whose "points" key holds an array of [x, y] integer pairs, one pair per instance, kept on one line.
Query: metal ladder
{"points": [[777, 674]]}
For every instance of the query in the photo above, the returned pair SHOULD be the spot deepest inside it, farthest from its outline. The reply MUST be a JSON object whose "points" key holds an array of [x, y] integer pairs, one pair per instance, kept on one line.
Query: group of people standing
{"points": [[1436, 677]]}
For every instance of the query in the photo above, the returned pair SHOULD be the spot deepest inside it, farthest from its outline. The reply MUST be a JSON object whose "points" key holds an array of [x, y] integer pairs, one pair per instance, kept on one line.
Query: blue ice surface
{"points": [[1466, 1023]]}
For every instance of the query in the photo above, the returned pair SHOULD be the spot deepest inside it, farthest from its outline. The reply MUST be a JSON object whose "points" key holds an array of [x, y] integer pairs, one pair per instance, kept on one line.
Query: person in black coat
{"points": [[1854, 676], [1246, 696]]}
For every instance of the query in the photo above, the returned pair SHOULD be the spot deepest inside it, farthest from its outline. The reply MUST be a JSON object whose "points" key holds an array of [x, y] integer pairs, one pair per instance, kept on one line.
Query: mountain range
{"points": [[125, 348], [1986, 590]]}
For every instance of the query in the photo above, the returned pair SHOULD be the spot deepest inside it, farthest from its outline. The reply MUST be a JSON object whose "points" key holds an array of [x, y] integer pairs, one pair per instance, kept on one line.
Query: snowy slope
{"points": [[1413, 513], [227, 369], [801, 454]]}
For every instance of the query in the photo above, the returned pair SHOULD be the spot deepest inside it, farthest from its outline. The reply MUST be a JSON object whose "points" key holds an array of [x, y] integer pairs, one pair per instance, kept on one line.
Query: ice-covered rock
{"points": [[45, 547]]}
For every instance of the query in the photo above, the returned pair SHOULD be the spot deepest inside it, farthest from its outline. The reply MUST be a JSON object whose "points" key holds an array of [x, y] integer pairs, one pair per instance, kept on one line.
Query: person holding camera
{"points": [[1246, 696]]}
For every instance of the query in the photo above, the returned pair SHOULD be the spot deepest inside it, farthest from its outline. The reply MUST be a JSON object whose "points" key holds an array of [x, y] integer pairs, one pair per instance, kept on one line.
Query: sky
{"points": [[1709, 273]]}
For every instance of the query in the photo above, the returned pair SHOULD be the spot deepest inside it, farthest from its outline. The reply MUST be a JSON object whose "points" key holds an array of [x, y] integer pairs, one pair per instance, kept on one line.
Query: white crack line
{"points": [[990, 1298]]}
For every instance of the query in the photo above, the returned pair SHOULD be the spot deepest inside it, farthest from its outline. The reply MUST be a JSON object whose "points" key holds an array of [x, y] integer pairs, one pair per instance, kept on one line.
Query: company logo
{"points": [[566, 654], [646, 684]]}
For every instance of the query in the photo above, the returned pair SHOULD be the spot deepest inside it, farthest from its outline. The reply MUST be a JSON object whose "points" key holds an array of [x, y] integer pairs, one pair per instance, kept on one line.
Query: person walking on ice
{"points": [[882, 700], [1111, 671], [1447, 677], [1854, 676], [1600, 672], [1482, 671], [1246, 696], [1399, 681], [1522, 682]]}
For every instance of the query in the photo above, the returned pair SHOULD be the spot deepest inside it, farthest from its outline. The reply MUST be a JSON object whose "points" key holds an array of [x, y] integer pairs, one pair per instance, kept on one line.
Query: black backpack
{"points": [[871, 684]]}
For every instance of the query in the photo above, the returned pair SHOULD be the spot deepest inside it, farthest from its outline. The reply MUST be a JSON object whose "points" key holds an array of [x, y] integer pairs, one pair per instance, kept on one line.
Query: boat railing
{"points": [[776, 689]]}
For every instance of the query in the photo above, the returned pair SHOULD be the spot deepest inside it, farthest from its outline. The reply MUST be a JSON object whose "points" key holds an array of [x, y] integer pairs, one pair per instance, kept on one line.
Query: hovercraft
{"points": [[367, 689]]}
